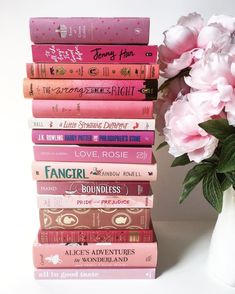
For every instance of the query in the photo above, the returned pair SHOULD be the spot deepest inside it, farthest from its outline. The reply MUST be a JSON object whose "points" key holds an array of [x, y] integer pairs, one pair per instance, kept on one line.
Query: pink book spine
{"points": [[58, 171], [95, 273], [90, 30], [91, 109], [92, 71], [90, 89], [66, 137], [116, 124], [93, 154], [94, 201], [52, 53], [95, 255], [94, 188]]}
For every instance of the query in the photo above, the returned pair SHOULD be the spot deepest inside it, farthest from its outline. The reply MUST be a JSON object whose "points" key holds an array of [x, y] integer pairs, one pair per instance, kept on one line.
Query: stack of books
{"points": [[93, 82]]}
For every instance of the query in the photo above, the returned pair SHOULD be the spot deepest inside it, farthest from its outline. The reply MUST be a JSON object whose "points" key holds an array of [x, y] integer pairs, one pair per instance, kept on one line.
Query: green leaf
{"points": [[212, 190], [181, 160], [218, 128], [227, 155], [193, 177], [225, 182], [231, 177], [161, 145]]}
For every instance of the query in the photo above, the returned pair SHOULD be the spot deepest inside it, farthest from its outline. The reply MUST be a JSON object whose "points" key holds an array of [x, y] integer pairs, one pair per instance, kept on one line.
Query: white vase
{"points": [[221, 258]]}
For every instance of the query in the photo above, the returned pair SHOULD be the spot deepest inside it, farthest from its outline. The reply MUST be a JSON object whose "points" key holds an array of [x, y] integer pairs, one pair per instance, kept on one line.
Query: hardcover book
{"points": [[106, 255], [95, 236], [93, 124], [90, 30], [94, 137], [63, 53], [94, 201], [76, 153], [94, 218], [95, 273], [91, 109], [94, 188], [90, 89], [66, 171], [112, 71]]}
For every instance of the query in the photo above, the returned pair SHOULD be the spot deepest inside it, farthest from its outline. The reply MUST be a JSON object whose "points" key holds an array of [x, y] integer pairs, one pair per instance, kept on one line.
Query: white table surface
{"points": [[183, 250]]}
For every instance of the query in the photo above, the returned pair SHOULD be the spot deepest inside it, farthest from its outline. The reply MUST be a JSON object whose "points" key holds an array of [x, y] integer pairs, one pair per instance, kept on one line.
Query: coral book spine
{"points": [[95, 273], [116, 124], [63, 53], [78, 153], [95, 236], [58, 171], [106, 255], [63, 89], [94, 201], [94, 218], [91, 109], [90, 30], [94, 188], [120, 138], [92, 71]]}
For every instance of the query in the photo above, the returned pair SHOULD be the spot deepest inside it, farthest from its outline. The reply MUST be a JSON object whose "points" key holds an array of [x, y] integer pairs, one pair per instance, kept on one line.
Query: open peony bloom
{"points": [[179, 43], [175, 87], [183, 134], [187, 42], [214, 72]]}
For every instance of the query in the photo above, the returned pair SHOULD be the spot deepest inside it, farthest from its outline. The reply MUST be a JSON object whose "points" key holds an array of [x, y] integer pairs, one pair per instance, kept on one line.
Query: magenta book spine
{"points": [[93, 154], [94, 201], [72, 255], [95, 273], [120, 138], [90, 30], [67, 53], [66, 171], [94, 188], [91, 109]]}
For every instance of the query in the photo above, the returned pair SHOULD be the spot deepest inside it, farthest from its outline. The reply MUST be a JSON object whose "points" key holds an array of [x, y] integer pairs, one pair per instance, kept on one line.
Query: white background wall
{"points": [[17, 188]]}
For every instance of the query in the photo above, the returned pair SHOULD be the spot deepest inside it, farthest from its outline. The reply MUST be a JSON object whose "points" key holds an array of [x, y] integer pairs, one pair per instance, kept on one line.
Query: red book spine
{"points": [[90, 89], [95, 236], [95, 218], [91, 109], [92, 71], [94, 188]]}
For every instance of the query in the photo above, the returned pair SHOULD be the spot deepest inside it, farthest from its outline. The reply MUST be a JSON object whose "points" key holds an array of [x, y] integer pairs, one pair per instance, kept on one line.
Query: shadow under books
{"points": [[175, 239]]}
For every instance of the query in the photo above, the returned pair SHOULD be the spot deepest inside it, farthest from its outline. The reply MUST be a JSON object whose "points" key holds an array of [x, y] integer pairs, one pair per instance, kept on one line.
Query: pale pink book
{"points": [[95, 273], [91, 109], [94, 201], [112, 154], [107, 255], [44, 170]]}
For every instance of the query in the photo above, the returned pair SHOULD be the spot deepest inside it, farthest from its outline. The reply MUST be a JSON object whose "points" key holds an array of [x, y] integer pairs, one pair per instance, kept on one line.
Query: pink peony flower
{"points": [[183, 134], [214, 36], [180, 41], [230, 110], [227, 22], [214, 72], [186, 42], [175, 87], [208, 102]]}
